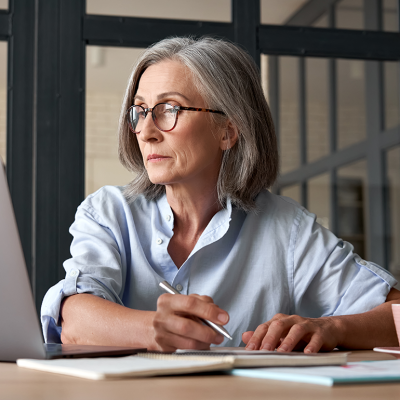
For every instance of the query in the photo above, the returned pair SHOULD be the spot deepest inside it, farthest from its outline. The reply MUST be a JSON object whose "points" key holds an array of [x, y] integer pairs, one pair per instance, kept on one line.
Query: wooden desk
{"points": [[20, 383]]}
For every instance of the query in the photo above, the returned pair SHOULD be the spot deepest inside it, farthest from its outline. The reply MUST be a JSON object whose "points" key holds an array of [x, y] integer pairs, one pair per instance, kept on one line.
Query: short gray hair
{"points": [[229, 81]]}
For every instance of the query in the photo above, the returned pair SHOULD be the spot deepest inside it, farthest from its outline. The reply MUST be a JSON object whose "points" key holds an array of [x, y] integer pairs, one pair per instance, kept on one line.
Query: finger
{"points": [[277, 329], [192, 305], [246, 336], [296, 333], [206, 299], [185, 327], [258, 335], [169, 342], [315, 344]]}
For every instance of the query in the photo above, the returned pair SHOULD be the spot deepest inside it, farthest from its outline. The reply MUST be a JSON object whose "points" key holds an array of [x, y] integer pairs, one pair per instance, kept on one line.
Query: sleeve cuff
{"points": [[50, 312]]}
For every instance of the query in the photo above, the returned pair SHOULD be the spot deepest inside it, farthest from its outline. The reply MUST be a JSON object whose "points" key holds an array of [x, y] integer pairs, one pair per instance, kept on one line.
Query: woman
{"points": [[197, 131]]}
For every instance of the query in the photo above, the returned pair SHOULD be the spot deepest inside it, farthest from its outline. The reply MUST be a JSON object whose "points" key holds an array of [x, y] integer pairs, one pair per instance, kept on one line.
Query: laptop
{"points": [[20, 332]]}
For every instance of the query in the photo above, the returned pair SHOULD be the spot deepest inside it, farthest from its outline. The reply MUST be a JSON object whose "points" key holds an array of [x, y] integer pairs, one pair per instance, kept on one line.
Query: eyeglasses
{"points": [[165, 116]]}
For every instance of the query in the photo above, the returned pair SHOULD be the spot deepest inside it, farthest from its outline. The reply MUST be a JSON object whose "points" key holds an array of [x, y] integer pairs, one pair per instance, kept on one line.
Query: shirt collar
{"points": [[165, 221]]}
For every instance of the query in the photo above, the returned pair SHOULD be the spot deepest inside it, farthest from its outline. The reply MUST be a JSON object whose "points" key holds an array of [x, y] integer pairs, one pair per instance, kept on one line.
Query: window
{"points": [[318, 105], [317, 108], [351, 116], [318, 201], [289, 113], [107, 74], [393, 209], [351, 206], [336, 112], [204, 10], [391, 87]]}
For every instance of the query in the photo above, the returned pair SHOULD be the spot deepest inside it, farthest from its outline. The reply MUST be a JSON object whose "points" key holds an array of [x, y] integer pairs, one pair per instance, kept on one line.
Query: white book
{"points": [[138, 365], [156, 364]]}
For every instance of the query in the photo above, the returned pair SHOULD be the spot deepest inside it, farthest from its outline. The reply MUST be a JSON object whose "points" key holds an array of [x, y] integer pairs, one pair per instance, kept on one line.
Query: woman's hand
{"points": [[176, 324], [291, 332]]}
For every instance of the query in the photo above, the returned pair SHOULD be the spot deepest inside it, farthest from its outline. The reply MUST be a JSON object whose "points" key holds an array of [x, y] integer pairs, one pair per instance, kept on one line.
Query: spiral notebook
{"points": [[156, 364]]}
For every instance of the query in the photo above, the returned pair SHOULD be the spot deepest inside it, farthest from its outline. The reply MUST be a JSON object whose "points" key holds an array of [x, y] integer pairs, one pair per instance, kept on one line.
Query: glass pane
{"points": [[204, 10], [264, 75], [289, 113], [391, 92], [350, 14], [321, 22], [278, 11], [352, 206], [317, 108], [3, 4], [350, 102], [3, 99], [393, 197], [390, 15], [107, 73], [318, 198], [293, 192]]}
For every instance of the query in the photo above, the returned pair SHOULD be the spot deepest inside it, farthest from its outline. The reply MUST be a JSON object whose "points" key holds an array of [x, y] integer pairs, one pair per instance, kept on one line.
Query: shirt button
{"points": [[73, 273], [168, 217], [362, 262], [179, 287], [159, 241]]}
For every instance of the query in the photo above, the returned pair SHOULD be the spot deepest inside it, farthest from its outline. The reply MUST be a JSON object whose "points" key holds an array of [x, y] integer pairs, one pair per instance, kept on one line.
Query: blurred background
{"points": [[326, 110]]}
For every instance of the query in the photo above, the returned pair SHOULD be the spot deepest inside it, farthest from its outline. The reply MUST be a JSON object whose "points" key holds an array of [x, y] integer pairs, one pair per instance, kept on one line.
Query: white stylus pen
{"points": [[218, 328]]}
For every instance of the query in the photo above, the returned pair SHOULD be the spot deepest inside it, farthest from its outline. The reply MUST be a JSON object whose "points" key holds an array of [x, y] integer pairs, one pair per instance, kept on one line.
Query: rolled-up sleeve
{"points": [[329, 278], [97, 266]]}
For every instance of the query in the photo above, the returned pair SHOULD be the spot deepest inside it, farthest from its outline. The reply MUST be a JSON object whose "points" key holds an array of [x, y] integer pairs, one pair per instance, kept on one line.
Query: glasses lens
{"points": [[136, 117], [164, 116]]}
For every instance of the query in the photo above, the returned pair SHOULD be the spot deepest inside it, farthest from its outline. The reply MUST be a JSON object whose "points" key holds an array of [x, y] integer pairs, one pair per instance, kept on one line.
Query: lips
{"points": [[156, 157]]}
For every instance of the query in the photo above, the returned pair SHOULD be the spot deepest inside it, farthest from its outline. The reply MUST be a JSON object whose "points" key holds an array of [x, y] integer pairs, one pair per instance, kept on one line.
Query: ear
{"points": [[229, 137]]}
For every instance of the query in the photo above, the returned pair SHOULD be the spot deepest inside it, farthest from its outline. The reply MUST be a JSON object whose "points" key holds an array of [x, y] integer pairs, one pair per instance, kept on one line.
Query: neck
{"points": [[193, 207]]}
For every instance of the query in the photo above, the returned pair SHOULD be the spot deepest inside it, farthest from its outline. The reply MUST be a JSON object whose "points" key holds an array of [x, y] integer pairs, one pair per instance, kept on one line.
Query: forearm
{"points": [[88, 319], [368, 330]]}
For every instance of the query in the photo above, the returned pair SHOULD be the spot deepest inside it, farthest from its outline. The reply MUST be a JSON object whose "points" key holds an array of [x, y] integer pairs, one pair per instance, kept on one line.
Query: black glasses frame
{"points": [[176, 108]]}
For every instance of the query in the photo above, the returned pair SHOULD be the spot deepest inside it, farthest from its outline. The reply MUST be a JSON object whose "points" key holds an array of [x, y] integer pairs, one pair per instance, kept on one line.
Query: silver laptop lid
{"points": [[20, 334]]}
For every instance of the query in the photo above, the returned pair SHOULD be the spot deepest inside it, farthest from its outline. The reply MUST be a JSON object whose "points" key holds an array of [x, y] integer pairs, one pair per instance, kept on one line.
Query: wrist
{"points": [[339, 328], [151, 343]]}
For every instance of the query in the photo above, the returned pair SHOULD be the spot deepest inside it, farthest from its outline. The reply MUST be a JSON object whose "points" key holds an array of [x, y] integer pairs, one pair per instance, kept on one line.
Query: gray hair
{"points": [[229, 81]]}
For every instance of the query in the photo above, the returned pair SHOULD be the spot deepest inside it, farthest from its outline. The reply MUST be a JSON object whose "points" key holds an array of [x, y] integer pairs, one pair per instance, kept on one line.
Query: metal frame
{"points": [[46, 82], [20, 81], [45, 129], [59, 136]]}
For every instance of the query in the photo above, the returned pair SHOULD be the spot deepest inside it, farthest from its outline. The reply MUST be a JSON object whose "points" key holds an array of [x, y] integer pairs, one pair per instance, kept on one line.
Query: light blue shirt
{"points": [[254, 265]]}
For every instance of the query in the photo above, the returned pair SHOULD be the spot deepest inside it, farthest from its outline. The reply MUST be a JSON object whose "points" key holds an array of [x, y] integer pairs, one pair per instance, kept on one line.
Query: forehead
{"points": [[167, 76]]}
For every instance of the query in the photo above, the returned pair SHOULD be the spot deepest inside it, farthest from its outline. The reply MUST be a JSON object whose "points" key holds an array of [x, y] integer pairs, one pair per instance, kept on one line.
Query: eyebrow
{"points": [[163, 95]]}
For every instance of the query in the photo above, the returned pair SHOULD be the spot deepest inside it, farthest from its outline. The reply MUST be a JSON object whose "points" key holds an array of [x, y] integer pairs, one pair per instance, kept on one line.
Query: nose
{"points": [[149, 132]]}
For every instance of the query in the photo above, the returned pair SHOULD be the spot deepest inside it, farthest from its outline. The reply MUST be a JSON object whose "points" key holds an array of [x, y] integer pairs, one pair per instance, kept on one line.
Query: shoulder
{"points": [[109, 203], [285, 216], [284, 209]]}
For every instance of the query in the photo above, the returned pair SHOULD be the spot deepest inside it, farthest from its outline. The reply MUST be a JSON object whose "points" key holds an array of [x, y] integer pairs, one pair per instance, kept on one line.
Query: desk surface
{"points": [[20, 383]]}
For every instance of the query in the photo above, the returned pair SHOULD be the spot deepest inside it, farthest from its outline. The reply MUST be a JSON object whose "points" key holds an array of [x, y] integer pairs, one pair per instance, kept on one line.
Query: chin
{"points": [[159, 180]]}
